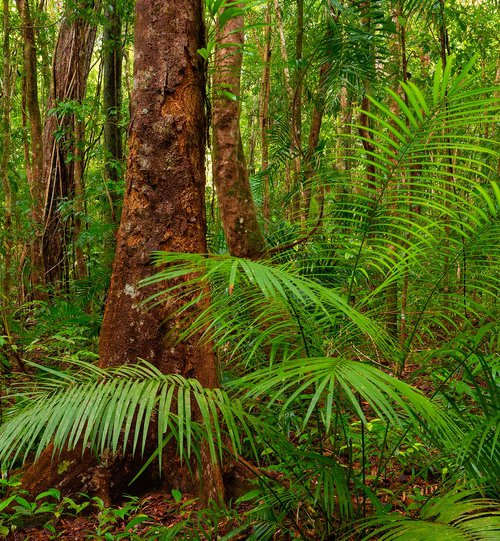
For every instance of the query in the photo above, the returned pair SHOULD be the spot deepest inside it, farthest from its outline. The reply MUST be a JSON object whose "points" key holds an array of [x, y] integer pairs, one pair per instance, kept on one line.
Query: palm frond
{"points": [[456, 516], [327, 384], [283, 307], [123, 401], [426, 188]]}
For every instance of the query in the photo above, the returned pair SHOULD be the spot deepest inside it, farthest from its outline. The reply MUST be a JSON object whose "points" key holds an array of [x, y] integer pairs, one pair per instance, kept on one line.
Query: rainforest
{"points": [[249, 270]]}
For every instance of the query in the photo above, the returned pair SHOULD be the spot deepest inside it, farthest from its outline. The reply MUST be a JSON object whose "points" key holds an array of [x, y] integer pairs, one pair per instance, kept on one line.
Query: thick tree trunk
{"points": [[112, 57], [163, 210], [239, 217], [71, 65], [34, 168], [164, 200]]}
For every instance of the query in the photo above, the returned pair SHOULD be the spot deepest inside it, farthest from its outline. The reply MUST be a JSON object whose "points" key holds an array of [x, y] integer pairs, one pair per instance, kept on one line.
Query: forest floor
{"points": [[141, 518], [159, 510]]}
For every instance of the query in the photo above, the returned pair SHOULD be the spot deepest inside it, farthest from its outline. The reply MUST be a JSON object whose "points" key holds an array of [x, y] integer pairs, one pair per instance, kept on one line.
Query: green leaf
{"points": [[177, 495]]}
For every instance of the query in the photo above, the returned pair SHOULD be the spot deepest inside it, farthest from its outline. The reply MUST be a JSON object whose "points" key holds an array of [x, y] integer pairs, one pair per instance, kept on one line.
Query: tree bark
{"points": [[313, 142], [163, 210], [112, 98], [264, 113], [80, 267], [71, 65], [298, 75], [296, 120], [164, 200], [396, 185], [239, 217], [364, 118], [4, 169], [34, 169]]}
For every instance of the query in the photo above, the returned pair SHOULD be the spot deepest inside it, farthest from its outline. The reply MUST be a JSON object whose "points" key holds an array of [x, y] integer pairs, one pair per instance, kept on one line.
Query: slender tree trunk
{"points": [[444, 42], [412, 174], [164, 200], [394, 188], [239, 217], [284, 53], [297, 97], [71, 65], [313, 141], [296, 124], [292, 209], [43, 50], [112, 99], [34, 169], [81, 270], [497, 95], [264, 113], [344, 142], [252, 143], [4, 168], [364, 119]]}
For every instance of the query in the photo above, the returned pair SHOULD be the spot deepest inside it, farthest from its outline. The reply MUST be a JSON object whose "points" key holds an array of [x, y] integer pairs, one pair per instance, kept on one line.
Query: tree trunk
{"points": [[449, 180], [239, 217], [112, 99], [163, 209], [80, 267], [264, 113], [284, 53], [298, 75], [395, 186], [71, 65], [34, 169], [364, 117], [4, 169], [296, 121], [164, 200], [313, 141]]}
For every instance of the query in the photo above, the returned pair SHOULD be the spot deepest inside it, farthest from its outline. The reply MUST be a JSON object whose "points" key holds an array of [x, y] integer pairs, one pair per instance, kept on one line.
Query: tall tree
{"points": [[264, 111], [62, 137], [112, 95], [34, 167], [4, 170], [163, 207], [239, 217]]}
